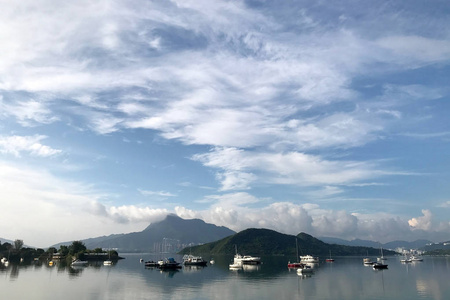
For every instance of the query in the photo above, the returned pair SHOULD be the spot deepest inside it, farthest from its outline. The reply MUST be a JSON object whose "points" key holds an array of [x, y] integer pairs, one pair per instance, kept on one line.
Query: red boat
{"points": [[295, 265]]}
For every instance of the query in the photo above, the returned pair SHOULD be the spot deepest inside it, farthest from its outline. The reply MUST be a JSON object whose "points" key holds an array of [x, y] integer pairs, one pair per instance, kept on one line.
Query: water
{"points": [[346, 278]]}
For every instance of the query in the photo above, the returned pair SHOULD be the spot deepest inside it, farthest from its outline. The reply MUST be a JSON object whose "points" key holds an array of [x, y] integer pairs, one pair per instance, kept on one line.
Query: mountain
{"points": [[169, 235], [437, 246], [366, 243], [268, 242]]}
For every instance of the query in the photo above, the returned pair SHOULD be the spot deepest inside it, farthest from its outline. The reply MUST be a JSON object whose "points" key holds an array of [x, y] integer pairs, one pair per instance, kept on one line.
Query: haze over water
{"points": [[346, 278]]}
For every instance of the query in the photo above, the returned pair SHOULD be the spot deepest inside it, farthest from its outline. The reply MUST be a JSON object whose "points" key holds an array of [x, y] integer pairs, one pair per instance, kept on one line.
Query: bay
{"points": [[346, 278]]}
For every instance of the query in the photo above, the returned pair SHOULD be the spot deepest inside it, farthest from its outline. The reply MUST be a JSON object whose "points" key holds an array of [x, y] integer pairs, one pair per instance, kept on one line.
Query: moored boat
{"points": [[378, 266], [168, 264], [329, 259], [246, 259], [235, 266], [304, 270], [367, 261], [190, 260], [151, 264], [79, 262], [309, 259]]}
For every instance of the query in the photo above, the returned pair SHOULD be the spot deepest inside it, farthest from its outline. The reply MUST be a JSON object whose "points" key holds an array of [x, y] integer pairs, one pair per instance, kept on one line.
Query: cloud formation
{"points": [[311, 103]]}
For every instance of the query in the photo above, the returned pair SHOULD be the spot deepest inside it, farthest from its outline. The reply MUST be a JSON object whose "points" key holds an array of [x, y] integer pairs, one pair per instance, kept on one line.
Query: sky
{"points": [[324, 117]]}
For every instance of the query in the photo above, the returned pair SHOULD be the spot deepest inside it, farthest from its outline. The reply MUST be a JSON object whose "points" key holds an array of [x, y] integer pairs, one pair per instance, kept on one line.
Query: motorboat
{"points": [[212, 261], [151, 264], [295, 265], [309, 259], [378, 266], [246, 259], [79, 263], [406, 260], [416, 258], [190, 260], [367, 261], [304, 270], [168, 264], [235, 266], [251, 260]]}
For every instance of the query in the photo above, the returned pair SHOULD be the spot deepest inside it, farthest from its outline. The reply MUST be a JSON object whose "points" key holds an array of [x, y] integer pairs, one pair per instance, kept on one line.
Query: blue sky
{"points": [[329, 118]]}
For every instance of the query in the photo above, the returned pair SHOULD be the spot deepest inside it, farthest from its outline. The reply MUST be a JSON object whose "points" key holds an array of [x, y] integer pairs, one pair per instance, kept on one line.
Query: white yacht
{"points": [[309, 259]]}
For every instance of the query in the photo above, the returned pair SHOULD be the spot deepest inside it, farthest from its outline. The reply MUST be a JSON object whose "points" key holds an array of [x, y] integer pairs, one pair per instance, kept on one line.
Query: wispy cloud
{"points": [[16, 145], [156, 193]]}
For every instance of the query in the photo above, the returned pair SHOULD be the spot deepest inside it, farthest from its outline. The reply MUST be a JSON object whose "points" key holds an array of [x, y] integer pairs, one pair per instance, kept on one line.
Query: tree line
{"points": [[16, 252]]}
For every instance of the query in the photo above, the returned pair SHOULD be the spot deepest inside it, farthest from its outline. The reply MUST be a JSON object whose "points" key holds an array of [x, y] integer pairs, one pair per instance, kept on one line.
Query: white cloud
{"points": [[292, 168], [16, 145], [28, 112], [157, 193]]}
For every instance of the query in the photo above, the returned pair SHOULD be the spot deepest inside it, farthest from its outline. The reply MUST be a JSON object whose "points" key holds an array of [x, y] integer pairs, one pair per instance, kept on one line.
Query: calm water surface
{"points": [[346, 278]]}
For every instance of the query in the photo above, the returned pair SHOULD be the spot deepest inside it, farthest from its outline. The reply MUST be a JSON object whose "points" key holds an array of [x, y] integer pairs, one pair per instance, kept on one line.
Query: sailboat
{"points": [[295, 264], [329, 259], [108, 262], [382, 257]]}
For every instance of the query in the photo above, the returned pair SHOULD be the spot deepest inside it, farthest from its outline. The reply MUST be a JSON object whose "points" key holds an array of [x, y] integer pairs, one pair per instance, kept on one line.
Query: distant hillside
{"points": [[173, 228], [433, 247], [268, 242], [366, 243]]}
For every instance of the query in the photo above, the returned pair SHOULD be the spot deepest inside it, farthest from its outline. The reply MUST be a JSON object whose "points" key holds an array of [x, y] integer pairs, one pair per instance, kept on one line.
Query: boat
{"points": [[381, 258], [304, 270], [168, 264], [367, 261], [251, 260], [379, 266], [79, 262], [212, 261], [246, 259], [295, 265], [416, 258], [329, 259], [406, 260], [190, 260], [108, 262], [235, 266], [151, 264], [309, 259]]}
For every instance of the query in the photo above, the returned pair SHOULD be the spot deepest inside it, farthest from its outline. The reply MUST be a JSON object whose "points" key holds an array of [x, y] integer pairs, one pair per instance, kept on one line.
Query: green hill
{"points": [[268, 242]]}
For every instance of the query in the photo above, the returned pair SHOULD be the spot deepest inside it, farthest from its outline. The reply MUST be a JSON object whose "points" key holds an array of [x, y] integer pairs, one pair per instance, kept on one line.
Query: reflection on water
{"points": [[346, 278]]}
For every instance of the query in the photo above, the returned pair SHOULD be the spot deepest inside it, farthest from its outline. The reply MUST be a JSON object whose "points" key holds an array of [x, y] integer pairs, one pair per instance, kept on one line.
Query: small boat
{"points": [[79, 262], [406, 260], [381, 258], [379, 266], [212, 261], [329, 259], [309, 259], [151, 264], [416, 258], [367, 261], [108, 262], [295, 265], [235, 266], [304, 270], [190, 260], [168, 264]]}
